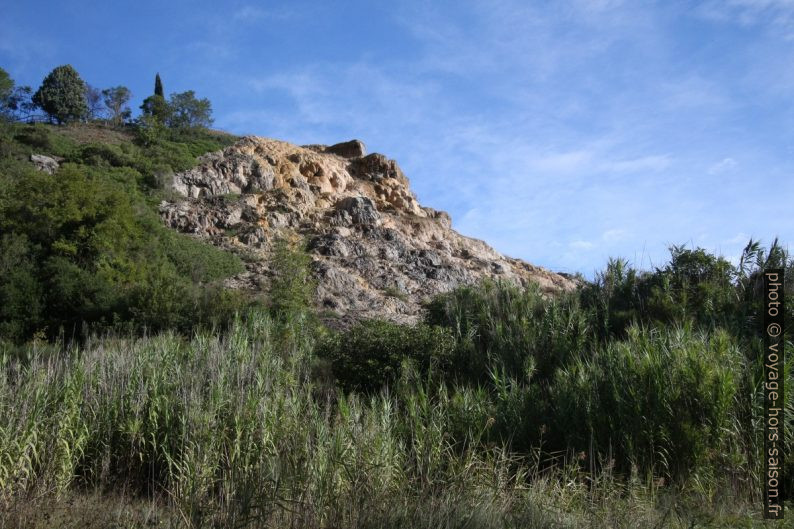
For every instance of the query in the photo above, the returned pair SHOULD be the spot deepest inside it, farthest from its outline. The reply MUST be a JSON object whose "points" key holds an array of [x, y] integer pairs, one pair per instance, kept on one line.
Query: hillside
{"points": [[161, 335], [377, 252]]}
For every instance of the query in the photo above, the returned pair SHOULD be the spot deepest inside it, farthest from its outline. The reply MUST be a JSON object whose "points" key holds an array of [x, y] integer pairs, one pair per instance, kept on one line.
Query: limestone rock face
{"points": [[376, 251]]}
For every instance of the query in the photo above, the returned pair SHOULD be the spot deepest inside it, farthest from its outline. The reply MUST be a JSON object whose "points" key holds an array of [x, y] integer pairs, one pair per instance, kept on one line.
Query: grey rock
{"points": [[255, 237], [331, 244], [442, 216], [498, 268], [376, 167], [360, 209], [430, 258], [376, 253], [348, 149], [231, 218], [222, 173], [46, 164]]}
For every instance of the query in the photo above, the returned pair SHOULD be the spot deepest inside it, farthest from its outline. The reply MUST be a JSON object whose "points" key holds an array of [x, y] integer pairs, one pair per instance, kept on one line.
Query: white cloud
{"points": [[777, 14], [614, 235], [723, 166], [740, 238], [253, 13], [652, 163], [581, 245]]}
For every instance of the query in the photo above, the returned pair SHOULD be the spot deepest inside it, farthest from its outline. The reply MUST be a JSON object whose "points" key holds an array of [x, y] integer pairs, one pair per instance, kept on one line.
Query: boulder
{"points": [[361, 210], [330, 244], [376, 167], [348, 149], [222, 173], [44, 163]]}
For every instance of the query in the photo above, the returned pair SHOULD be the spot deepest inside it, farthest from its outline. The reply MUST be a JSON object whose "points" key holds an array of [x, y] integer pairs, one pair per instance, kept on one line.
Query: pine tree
{"points": [[158, 86]]}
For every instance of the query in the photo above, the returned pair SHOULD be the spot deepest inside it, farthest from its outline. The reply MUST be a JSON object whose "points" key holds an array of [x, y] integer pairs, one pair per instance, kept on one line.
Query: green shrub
{"points": [[499, 326], [292, 287], [661, 400], [694, 286], [62, 95], [35, 136], [21, 294], [370, 355], [90, 251], [103, 154], [198, 261]]}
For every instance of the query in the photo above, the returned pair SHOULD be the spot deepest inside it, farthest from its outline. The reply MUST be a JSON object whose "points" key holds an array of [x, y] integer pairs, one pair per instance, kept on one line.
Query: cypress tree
{"points": [[158, 86]]}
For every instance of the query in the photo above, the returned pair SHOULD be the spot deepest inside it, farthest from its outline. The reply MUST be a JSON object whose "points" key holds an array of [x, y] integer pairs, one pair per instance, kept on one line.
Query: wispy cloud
{"points": [[562, 134], [777, 14], [25, 51], [255, 13], [724, 165]]}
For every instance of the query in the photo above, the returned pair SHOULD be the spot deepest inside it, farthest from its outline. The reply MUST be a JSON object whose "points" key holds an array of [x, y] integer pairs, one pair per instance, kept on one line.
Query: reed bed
{"points": [[238, 430]]}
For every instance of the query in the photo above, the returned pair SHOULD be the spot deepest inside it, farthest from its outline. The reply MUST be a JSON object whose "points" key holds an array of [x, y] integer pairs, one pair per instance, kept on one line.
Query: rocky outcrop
{"points": [[376, 251], [47, 164]]}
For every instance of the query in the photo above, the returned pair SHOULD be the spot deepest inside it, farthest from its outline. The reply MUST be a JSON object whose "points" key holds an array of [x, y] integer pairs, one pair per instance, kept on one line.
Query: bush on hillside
{"points": [[85, 248], [695, 286], [370, 355], [661, 399], [499, 326]]}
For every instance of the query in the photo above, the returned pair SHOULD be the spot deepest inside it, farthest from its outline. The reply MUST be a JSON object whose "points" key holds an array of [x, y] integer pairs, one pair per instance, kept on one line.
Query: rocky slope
{"points": [[376, 251]]}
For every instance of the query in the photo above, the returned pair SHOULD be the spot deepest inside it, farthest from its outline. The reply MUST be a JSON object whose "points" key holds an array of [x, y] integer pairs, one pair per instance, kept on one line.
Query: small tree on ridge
{"points": [[62, 95]]}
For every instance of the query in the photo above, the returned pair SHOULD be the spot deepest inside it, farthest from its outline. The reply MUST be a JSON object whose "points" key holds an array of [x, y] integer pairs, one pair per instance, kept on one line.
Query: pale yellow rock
{"points": [[366, 232]]}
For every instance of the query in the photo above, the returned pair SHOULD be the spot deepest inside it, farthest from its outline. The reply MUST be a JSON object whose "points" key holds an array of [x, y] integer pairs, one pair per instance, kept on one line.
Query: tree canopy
{"points": [[187, 111], [116, 100], [14, 100], [62, 95]]}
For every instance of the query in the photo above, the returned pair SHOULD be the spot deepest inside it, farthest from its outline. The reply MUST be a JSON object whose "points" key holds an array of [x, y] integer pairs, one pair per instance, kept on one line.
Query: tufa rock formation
{"points": [[377, 253]]}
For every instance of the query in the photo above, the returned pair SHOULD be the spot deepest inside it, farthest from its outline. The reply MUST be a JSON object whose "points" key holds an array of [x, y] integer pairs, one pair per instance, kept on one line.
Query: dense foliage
{"points": [[85, 247], [372, 353], [116, 100], [654, 371], [62, 95], [231, 431], [181, 111], [14, 100], [158, 85]]}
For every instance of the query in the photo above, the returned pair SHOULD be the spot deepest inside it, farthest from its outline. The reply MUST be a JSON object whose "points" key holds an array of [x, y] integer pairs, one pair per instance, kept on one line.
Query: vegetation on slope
{"points": [[85, 246], [635, 401]]}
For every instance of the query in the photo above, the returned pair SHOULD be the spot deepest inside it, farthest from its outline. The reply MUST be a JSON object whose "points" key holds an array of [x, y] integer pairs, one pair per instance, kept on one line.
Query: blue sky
{"points": [[560, 132]]}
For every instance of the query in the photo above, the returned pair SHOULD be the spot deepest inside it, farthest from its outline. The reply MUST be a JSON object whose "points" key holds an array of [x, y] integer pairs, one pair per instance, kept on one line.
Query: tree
{"points": [[156, 109], [6, 85], [15, 103], [158, 86], [116, 100], [62, 95], [93, 99], [188, 112]]}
